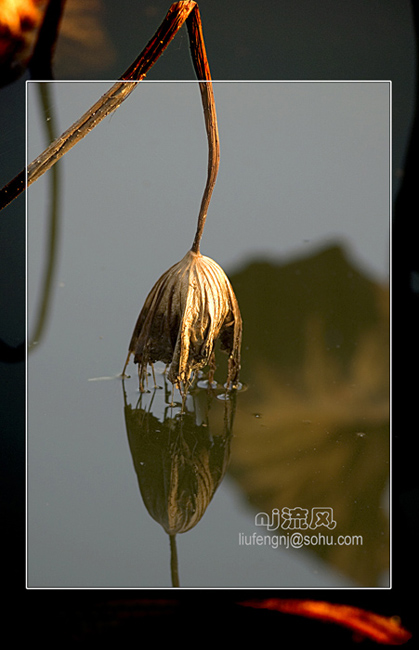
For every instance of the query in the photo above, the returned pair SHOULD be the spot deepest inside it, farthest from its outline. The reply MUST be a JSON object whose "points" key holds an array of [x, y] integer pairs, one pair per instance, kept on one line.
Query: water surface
{"points": [[299, 221]]}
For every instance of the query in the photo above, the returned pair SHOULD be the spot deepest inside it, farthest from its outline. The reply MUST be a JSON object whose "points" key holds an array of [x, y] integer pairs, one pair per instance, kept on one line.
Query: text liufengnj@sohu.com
{"points": [[298, 540]]}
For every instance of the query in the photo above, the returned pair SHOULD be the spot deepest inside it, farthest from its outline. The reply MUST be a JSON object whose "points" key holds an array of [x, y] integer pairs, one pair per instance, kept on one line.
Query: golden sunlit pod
{"points": [[20, 21], [30, 25], [189, 308]]}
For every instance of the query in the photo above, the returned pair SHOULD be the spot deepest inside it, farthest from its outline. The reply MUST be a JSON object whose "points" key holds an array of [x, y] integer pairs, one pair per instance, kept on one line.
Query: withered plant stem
{"points": [[200, 61], [178, 13]]}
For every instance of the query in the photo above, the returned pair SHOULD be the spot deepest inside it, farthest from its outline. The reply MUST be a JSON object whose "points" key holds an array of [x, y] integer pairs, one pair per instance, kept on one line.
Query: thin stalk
{"points": [[178, 13], [200, 61], [109, 102]]}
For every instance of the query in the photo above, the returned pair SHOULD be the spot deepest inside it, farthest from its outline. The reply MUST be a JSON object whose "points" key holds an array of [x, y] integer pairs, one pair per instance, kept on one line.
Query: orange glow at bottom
{"points": [[381, 629]]}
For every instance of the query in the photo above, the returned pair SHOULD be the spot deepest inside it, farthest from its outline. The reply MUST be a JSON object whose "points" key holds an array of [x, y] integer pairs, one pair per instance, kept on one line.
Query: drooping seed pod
{"points": [[188, 310], [193, 304]]}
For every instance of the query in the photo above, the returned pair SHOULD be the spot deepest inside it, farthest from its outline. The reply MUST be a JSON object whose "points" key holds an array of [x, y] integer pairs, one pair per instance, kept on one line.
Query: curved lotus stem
{"points": [[200, 61]]}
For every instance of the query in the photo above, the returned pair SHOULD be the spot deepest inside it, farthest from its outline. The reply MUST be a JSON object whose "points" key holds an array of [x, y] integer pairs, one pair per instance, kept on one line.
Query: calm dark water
{"points": [[299, 221]]}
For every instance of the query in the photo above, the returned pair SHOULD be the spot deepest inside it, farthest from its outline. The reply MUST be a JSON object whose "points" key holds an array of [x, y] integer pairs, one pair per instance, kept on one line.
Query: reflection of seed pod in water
{"points": [[179, 461], [189, 308]]}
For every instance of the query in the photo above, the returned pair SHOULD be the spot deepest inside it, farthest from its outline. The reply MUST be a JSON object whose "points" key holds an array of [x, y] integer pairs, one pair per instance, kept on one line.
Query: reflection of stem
{"points": [[40, 65], [53, 227], [174, 561]]}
